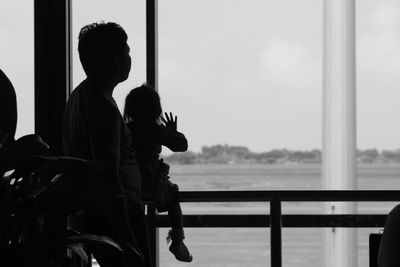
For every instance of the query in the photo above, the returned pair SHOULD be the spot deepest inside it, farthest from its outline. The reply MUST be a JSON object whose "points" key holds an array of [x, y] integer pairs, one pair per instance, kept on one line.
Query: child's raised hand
{"points": [[169, 121]]}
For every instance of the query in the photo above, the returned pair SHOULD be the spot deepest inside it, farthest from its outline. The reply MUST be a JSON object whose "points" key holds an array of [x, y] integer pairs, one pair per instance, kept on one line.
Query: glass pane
{"points": [[378, 65], [302, 247], [17, 58], [244, 78], [378, 57], [234, 247], [377, 176], [246, 177], [131, 15], [243, 74]]}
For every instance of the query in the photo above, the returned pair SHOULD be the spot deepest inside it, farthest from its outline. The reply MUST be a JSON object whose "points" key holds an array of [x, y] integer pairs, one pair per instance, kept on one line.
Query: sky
{"points": [[237, 72]]}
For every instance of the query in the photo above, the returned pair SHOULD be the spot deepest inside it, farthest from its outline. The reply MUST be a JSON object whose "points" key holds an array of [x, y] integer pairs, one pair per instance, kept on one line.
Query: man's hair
{"points": [[98, 43]]}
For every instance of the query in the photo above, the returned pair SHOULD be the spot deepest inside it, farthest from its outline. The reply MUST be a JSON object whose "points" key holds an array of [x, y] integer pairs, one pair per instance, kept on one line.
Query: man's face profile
{"points": [[124, 63]]}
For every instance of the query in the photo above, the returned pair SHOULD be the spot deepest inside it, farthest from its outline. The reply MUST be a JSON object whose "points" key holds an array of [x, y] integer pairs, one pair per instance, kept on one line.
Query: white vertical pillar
{"points": [[339, 124]]}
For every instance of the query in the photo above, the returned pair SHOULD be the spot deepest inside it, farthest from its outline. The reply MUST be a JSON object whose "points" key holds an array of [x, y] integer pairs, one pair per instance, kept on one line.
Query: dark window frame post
{"points": [[52, 50], [53, 71], [152, 43], [152, 80]]}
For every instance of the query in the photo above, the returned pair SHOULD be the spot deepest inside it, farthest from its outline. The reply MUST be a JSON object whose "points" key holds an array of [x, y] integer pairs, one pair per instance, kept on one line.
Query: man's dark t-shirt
{"points": [[93, 126]]}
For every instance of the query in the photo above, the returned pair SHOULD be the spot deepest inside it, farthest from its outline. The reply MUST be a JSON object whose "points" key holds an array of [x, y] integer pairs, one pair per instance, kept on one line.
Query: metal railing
{"points": [[276, 220]]}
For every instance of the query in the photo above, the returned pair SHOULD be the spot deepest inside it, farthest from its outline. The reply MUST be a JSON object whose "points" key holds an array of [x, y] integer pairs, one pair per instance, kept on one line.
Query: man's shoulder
{"points": [[7, 89], [93, 102], [103, 110]]}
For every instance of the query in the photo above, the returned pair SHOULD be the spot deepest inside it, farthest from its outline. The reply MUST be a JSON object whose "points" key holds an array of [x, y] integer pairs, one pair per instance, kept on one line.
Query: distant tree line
{"points": [[226, 154]]}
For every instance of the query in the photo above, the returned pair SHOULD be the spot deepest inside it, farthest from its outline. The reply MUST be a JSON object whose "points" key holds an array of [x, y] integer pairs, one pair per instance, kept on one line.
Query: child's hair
{"points": [[142, 104]]}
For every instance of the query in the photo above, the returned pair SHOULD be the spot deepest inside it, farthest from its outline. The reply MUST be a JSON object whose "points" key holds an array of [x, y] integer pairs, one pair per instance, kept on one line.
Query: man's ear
{"points": [[117, 61]]}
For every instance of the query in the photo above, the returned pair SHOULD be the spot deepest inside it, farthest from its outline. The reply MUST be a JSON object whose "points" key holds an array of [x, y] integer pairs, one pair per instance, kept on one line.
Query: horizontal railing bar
{"points": [[337, 220], [288, 220], [290, 195]]}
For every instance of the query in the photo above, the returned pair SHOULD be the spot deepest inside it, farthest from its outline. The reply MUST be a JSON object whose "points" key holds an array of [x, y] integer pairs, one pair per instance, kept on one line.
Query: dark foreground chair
{"points": [[374, 241]]}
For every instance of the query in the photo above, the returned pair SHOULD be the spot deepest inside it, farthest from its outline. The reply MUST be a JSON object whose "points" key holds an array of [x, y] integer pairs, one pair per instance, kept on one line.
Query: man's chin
{"points": [[124, 78]]}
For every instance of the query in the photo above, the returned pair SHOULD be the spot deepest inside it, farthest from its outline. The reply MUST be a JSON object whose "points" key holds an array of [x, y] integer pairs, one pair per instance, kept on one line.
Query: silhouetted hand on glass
{"points": [[170, 121]]}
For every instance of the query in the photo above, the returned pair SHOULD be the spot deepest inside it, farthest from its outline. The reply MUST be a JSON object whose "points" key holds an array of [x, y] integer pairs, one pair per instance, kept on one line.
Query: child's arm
{"points": [[170, 137]]}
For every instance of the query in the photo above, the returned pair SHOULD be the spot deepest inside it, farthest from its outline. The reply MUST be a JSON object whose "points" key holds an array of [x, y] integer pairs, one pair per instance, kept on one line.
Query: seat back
{"points": [[374, 241]]}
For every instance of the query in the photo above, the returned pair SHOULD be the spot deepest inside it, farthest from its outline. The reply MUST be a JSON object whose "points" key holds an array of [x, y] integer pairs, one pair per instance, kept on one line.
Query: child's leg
{"points": [[176, 235], [175, 216]]}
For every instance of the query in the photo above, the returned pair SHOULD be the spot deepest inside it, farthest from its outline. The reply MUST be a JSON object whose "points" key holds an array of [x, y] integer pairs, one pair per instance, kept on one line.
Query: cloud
{"points": [[378, 48], [4, 41], [172, 71], [290, 67], [378, 67], [385, 16]]}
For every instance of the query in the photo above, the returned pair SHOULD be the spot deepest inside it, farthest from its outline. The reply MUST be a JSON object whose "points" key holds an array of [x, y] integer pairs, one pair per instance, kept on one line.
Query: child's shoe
{"points": [[178, 248]]}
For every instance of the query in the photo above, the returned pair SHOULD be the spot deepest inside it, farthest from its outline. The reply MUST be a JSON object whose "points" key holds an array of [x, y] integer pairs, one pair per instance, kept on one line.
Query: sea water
{"points": [[250, 247]]}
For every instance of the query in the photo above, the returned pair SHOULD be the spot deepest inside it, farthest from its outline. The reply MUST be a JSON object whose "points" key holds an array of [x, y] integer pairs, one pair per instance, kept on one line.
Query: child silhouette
{"points": [[142, 113]]}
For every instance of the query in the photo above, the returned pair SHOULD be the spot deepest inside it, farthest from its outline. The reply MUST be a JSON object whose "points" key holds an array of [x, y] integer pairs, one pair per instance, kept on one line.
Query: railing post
{"points": [[153, 233], [276, 233]]}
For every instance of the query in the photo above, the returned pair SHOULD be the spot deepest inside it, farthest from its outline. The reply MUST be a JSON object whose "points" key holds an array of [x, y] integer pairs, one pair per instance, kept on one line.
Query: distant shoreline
{"points": [[226, 154]]}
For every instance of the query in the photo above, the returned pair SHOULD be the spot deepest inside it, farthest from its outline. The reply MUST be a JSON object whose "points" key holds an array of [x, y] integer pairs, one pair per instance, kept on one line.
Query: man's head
{"points": [[103, 50]]}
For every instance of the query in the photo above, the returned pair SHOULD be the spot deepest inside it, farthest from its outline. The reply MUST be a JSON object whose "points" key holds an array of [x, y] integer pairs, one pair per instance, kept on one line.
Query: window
{"points": [[378, 57], [246, 75], [17, 58], [378, 66], [243, 74]]}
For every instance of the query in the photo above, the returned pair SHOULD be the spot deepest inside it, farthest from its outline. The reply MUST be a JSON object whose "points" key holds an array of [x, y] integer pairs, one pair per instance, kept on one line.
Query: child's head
{"points": [[142, 104]]}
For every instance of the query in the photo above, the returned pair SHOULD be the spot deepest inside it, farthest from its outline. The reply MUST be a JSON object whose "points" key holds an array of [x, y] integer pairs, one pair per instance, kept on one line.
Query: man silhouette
{"points": [[93, 129], [8, 108]]}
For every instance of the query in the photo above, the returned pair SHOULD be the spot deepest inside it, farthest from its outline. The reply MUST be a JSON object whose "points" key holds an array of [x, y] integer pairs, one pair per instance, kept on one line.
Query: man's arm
{"points": [[105, 136]]}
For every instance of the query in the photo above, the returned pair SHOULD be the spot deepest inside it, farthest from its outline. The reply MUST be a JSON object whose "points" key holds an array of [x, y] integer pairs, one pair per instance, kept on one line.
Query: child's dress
{"points": [[147, 140]]}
